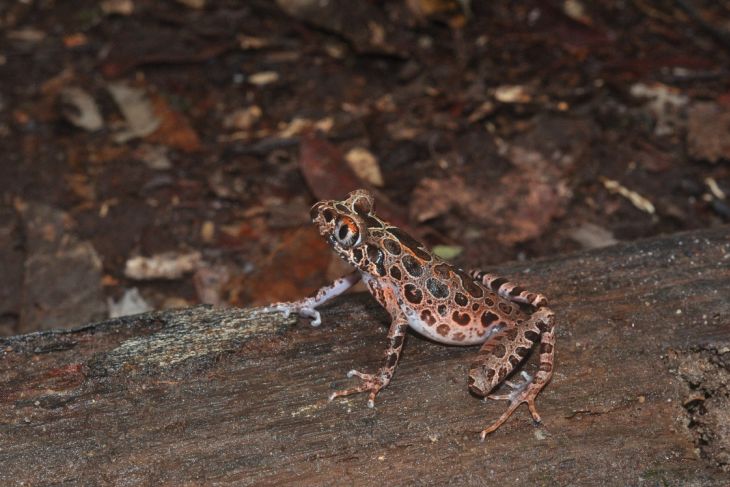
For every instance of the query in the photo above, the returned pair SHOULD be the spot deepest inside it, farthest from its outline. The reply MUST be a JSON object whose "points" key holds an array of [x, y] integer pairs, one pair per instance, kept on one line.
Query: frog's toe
{"points": [[369, 383], [301, 310]]}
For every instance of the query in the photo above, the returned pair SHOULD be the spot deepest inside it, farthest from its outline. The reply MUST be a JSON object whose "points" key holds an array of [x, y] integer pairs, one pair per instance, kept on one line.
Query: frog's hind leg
{"points": [[509, 290], [504, 351], [374, 382]]}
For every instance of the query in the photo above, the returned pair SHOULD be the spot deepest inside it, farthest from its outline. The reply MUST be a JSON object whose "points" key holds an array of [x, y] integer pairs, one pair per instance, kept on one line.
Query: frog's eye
{"points": [[346, 232]]}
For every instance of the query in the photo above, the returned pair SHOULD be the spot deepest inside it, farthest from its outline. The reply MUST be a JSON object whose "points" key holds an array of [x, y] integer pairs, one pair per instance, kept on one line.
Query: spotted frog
{"points": [[437, 300]]}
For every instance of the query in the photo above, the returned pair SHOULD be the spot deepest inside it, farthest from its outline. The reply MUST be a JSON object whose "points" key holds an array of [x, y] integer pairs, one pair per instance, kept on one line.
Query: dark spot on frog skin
{"points": [[460, 299], [442, 330], [342, 208], [489, 302], [516, 291], [462, 319], [412, 294], [488, 318], [522, 352], [328, 215], [533, 336], [437, 288], [459, 337], [357, 255], [314, 211], [371, 222], [428, 317], [497, 283], [376, 256], [392, 246], [505, 308], [503, 371], [362, 206], [413, 267], [441, 270], [392, 360], [511, 334], [414, 245], [469, 284], [395, 272], [442, 309]]}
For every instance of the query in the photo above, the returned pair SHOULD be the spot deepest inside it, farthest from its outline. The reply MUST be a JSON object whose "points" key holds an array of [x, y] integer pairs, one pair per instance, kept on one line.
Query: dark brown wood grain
{"points": [[238, 397]]}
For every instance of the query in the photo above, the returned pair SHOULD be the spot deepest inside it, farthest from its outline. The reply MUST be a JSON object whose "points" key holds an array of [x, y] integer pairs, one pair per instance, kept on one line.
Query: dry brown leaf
{"points": [[263, 78], [365, 165], [117, 7], [174, 128], [79, 108], [168, 265], [520, 206], [243, 118], [708, 132], [137, 111]]}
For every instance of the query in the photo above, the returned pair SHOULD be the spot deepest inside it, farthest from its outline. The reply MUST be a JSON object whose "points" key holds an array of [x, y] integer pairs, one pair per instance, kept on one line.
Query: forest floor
{"points": [[163, 154]]}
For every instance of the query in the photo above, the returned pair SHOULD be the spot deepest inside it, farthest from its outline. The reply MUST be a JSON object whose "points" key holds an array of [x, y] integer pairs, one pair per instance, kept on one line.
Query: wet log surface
{"points": [[206, 396]]}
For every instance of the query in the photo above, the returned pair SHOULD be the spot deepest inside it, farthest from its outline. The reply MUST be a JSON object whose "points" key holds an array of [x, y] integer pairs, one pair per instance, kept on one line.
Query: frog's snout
{"points": [[315, 210]]}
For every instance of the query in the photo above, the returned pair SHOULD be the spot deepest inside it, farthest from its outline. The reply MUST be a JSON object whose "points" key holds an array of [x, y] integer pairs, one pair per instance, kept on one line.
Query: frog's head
{"points": [[345, 224]]}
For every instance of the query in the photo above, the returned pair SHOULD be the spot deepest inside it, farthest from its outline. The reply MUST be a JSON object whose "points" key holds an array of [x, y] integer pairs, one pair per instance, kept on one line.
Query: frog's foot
{"points": [[302, 308], [370, 382], [523, 392]]}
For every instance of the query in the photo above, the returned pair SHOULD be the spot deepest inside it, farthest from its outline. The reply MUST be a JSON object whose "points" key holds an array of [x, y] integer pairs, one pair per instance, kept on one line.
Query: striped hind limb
{"points": [[503, 352], [509, 290]]}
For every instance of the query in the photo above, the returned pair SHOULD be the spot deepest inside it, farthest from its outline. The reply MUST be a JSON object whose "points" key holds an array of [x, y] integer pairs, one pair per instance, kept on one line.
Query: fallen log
{"points": [[640, 394]]}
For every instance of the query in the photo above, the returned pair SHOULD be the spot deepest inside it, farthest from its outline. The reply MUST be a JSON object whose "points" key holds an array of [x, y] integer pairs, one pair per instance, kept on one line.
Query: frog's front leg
{"points": [[375, 382], [307, 307], [505, 350]]}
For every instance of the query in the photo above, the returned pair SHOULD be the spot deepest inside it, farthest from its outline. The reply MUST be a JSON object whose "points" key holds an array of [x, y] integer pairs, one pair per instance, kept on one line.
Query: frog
{"points": [[437, 300]]}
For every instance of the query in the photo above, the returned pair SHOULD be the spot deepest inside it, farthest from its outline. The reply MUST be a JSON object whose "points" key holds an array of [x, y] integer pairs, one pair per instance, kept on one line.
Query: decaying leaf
{"points": [[209, 284], [708, 132], [243, 118], [512, 94], [137, 111], [168, 265], [666, 104], [592, 236], [79, 108], [520, 206], [300, 125], [447, 252], [154, 156], [117, 7], [194, 4], [131, 303], [365, 165], [263, 78], [174, 129]]}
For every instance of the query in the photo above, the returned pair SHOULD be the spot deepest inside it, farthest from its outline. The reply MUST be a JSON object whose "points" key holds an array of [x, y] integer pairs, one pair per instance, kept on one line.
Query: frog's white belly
{"points": [[470, 333]]}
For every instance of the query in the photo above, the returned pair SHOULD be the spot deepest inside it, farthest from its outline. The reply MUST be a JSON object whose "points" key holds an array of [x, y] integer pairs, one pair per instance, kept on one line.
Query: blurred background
{"points": [[162, 153]]}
